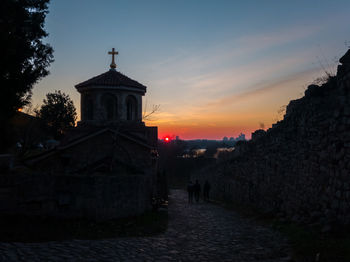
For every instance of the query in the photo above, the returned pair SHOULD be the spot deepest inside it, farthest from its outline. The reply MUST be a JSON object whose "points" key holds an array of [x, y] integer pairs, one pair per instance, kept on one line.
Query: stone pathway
{"points": [[196, 232]]}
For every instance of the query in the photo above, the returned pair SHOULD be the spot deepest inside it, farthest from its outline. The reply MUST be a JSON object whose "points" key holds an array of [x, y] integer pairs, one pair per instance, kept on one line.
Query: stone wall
{"points": [[97, 197], [299, 168]]}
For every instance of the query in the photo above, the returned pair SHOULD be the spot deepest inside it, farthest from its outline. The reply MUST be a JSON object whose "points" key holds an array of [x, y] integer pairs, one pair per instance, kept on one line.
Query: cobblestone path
{"points": [[196, 232]]}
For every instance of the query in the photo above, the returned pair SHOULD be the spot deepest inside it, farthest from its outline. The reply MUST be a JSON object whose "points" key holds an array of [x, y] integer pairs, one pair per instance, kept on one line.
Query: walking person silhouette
{"points": [[197, 190], [206, 190], [190, 190]]}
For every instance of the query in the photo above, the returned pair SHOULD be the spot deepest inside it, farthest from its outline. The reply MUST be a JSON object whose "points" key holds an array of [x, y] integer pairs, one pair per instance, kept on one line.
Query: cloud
{"points": [[229, 67], [262, 89], [233, 49], [204, 89], [241, 111], [277, 38]]}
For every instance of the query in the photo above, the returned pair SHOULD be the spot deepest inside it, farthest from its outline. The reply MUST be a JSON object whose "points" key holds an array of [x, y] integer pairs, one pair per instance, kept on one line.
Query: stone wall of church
{"points": [[299, 168], [97, 197]]}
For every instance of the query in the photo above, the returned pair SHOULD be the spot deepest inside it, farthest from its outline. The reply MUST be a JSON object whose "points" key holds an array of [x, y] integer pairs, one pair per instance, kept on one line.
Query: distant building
{"points": [[241, 137]]}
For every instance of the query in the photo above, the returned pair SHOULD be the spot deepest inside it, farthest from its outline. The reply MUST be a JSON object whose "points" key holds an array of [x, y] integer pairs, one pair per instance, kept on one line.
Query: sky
{"points": [[216, 68]]}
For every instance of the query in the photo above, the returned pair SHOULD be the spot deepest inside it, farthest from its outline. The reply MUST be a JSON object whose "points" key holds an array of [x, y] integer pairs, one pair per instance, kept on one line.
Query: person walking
{"points": [[206, 190], [197, 190], [190, 190]]}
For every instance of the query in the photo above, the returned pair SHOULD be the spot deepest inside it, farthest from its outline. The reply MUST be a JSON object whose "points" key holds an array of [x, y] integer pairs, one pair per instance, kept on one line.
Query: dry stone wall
{"points": [[299, 168]]}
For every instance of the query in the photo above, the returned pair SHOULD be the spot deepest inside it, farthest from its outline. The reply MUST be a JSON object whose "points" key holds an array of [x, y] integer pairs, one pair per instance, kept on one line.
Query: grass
{"points": [[307, 242], [35, 229]]}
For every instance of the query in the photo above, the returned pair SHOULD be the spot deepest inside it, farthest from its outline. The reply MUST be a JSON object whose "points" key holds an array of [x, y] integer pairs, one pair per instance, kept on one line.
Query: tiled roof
{"points": [[111, 78]]}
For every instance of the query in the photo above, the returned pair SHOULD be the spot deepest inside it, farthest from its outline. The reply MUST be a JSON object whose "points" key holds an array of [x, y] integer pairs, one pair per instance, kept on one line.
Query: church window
{"points": [[109, 105], [131, 108]]}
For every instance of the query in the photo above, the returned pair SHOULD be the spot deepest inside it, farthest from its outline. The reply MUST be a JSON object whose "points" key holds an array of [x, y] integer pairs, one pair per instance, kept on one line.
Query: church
{"points": [[108, 162], [111, 135]]}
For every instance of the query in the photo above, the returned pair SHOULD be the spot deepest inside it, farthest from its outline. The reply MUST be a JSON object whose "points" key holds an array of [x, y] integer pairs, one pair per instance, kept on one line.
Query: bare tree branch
{"points": [[148, 115]]}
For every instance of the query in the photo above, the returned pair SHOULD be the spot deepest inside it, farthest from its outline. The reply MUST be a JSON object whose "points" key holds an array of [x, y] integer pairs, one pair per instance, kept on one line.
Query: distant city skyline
{"points": [[215, 68]]}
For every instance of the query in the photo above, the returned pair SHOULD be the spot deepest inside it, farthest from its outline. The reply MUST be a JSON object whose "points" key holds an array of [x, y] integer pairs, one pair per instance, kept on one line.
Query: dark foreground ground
{"points": [[196, 232]]}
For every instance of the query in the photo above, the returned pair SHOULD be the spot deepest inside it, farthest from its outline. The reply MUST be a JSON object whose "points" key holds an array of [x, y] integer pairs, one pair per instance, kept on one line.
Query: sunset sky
{"points": [[216, 68]]}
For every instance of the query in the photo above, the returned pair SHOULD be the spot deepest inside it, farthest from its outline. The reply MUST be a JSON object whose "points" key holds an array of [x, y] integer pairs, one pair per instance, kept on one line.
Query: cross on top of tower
{"points": [[113, 52]]}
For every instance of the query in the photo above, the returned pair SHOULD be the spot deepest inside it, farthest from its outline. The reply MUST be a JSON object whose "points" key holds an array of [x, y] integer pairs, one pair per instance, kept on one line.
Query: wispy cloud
{"points": [[261, 89], [233, 65], [231, 50], [203, 89], [281, 37]]}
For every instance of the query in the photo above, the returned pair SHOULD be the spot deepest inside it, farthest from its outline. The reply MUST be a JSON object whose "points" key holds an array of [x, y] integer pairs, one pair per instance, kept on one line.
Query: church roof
{"points": [[81, 139], [111, 78]]}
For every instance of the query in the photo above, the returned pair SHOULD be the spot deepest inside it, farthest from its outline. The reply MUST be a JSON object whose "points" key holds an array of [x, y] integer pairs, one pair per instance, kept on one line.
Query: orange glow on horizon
{"points": [[213, 128], [229, 115], [211, 133]]}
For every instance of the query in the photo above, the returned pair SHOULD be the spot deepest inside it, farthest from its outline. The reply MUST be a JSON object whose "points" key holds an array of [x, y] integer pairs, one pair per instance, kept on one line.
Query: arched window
{"points": [[109, 104], [131, 108]]}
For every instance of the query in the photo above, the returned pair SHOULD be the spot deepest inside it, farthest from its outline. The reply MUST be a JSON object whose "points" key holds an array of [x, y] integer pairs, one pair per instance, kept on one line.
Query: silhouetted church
{"points": [[111, 136], [104, 168]]}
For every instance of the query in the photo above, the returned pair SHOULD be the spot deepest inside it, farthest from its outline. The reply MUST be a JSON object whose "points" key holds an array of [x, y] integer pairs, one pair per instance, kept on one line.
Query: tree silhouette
{"points": [[24, 57], [58, 113]]}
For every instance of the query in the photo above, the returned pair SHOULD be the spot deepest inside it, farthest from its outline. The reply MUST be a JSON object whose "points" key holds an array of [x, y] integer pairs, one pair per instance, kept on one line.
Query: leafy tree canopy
{"points": [[58, 113], [24, 57]]}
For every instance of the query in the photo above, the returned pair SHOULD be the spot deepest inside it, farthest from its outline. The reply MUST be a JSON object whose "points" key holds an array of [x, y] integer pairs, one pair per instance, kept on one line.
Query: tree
{"points": [[24, 57], [58, 113]]}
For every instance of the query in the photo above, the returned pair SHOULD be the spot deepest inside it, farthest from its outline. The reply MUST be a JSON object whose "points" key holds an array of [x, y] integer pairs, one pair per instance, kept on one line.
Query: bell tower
{"points": [[111, 98]]}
